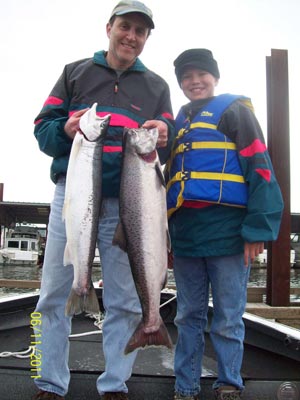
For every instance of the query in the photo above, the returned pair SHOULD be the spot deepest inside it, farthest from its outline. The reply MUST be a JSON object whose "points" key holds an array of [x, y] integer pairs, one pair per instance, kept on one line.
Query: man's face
{"points": [[127, 37], [197, 84]]}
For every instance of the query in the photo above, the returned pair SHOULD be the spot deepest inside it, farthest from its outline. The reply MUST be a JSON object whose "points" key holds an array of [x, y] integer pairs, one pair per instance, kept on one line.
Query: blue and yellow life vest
{"points": [[204, 164]]}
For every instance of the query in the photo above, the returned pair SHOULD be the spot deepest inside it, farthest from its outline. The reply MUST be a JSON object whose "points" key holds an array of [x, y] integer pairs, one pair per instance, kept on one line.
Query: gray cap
{"points": [[130, 6]]}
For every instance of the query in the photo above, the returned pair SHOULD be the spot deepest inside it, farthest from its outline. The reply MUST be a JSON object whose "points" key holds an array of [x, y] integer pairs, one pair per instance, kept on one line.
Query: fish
{"points": [[142, 232], [81, 209]]}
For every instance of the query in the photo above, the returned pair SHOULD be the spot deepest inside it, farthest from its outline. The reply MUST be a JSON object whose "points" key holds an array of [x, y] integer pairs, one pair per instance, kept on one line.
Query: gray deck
{"points": [[263, 369], [17, 385], [153, 372]]}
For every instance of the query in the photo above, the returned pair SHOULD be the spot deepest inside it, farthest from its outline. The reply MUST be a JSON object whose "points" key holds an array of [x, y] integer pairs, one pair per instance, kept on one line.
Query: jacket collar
{"points": [[99, 58]]}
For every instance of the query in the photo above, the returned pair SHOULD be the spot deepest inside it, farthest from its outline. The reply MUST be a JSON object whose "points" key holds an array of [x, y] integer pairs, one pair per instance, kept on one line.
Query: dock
{"points": [[256, 305], [20, 284]]}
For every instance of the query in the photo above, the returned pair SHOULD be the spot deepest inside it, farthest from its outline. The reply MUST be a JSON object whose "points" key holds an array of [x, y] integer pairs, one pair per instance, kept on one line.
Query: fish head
{"points": [[141, 141], [92, 125]]}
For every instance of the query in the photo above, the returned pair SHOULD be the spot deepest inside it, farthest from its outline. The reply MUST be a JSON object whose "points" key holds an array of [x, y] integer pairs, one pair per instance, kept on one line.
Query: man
{"points": [[134, 96], [223, 202]]}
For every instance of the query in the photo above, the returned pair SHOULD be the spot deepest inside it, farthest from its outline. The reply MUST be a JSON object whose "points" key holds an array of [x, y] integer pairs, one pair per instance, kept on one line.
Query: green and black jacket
{"points": [[131, 98]]}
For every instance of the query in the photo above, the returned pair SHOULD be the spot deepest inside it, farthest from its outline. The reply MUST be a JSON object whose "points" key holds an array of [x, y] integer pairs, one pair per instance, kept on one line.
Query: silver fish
{"points": [[82, 207], [143, 232]]}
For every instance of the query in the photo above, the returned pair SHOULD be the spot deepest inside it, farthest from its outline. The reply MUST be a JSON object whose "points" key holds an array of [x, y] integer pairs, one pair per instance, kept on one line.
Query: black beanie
{"points": [[199, 58]]}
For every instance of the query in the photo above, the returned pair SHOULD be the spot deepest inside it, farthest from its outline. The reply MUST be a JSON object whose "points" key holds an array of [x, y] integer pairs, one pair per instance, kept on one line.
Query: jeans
{"points": [[122, 305], [228, 278]]}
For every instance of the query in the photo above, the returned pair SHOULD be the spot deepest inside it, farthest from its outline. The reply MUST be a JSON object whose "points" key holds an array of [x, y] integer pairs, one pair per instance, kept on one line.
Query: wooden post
{"points": [[1, 199], [278, 272], [1, 191]]}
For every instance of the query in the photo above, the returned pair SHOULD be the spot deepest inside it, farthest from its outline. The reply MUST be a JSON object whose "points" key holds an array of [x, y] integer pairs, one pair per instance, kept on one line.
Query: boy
{"points": [[223, 203]]}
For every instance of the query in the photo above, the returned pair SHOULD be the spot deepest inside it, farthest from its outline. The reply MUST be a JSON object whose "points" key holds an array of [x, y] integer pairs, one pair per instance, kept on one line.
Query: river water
{"points": [[23, 272]]}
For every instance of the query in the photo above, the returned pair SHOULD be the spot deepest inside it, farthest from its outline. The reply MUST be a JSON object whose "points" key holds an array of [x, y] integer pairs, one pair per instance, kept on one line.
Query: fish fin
{"points": [[67, 256], [76, 304], [141, 339], [119, 238], [169, 246], [165, 281], [170, 259], [63, 214], [160, 174]]}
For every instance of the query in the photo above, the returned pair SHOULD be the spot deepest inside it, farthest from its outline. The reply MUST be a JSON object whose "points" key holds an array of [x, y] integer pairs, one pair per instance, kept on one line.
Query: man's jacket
{"points": [[133, 97]]}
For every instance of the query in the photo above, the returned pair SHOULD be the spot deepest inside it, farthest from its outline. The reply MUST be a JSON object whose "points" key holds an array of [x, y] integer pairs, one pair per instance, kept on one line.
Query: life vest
{"points": [[204, 164]]}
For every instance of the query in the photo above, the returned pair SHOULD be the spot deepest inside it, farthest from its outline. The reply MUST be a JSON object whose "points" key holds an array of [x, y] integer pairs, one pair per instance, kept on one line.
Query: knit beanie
{"points": [[199, 58]]}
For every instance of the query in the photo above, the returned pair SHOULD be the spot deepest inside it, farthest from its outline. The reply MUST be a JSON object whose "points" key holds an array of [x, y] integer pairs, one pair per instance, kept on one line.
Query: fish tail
{"points": [[140, 338], [76, 303]]}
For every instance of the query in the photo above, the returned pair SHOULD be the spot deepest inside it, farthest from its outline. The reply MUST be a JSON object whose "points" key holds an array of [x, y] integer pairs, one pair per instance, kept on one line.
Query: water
{"points": [[23, 272], [258, 277], [26, 272]]}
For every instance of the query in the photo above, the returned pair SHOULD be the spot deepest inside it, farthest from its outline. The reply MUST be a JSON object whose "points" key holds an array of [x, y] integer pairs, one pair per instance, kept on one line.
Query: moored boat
{"points": [[23, 245]]}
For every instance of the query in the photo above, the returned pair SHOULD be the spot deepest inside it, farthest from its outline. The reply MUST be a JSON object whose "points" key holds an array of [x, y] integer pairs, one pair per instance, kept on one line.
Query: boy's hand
{"points": [[252, 250], [162, 131]]}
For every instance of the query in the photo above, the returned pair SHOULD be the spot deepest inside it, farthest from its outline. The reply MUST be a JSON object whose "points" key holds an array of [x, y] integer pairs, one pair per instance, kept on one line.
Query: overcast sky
{"points": [[38, 37]]}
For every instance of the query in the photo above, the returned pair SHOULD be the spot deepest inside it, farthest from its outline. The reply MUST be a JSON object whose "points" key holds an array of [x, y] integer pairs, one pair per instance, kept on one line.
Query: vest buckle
{"points": [[187, 146], [185, 175]]}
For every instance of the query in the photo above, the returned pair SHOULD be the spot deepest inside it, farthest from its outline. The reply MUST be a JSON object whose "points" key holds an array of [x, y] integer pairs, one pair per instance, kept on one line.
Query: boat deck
{"points": [[83, 387], [153, 379]]}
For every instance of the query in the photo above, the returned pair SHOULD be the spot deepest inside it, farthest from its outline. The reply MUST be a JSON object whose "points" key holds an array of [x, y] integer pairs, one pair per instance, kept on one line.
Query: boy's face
{"points": [[197, 84]]}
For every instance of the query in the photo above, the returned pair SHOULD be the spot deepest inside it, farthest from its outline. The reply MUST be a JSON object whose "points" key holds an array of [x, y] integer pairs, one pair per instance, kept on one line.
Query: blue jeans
{"points": [[228, 278], [123, 310]]}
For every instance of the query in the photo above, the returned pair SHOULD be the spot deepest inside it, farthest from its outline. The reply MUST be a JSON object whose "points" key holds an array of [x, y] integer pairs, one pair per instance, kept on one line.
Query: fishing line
{"points": [[99, 321], [18, 354], [168, 301], [99, 318]]}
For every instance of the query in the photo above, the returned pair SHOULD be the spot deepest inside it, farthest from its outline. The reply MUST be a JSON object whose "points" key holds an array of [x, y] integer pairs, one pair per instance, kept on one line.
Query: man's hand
{"points": [[252, 250], [72, 125], [162, 131]]}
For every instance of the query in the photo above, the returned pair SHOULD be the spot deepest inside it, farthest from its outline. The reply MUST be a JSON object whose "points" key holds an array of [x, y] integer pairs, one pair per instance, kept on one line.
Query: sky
{"points": [[38, 37]]}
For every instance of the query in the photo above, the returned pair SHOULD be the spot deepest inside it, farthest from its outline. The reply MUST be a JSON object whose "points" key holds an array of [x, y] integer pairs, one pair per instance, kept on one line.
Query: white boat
{"points": [[23, 245], [295, 244], [262, 258], [97, 257]]}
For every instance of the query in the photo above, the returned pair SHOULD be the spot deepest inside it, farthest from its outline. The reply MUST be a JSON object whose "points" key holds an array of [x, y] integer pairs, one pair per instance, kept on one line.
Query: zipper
{"points": [[116, 87]]}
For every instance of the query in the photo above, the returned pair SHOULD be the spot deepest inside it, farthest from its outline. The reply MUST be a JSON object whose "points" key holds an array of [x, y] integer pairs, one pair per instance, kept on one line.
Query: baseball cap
{"points": [[130, 6]]}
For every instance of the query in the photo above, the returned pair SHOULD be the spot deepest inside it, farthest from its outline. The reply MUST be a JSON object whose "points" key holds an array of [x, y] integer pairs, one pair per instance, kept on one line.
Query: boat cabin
{"points": [[22, 245]]}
